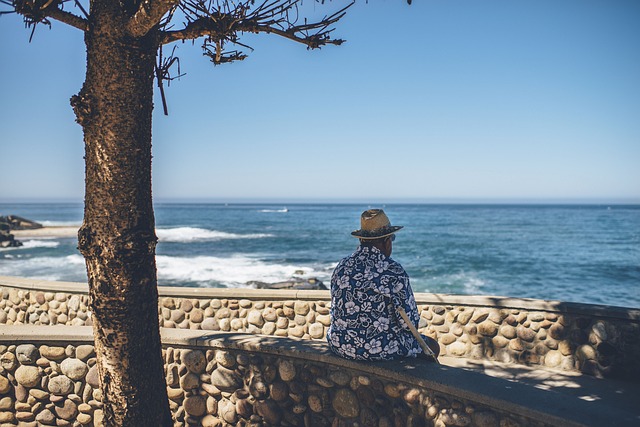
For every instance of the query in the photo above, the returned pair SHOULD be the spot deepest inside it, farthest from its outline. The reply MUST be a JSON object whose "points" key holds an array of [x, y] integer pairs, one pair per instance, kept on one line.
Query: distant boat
{"points": [[285, 209]]}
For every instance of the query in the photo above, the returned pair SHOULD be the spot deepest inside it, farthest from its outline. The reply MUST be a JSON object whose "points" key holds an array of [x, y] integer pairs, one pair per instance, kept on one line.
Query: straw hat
{"points": [[374, 224]]}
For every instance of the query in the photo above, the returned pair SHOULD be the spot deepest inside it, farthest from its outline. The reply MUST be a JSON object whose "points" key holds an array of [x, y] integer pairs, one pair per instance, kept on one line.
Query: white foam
{"points": [[285, 210], [190, 234], [67, 268], [234, 271], [29, 244]]}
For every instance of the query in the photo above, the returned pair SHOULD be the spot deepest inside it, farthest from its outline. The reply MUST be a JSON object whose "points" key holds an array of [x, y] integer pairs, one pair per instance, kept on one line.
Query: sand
{"points": [[46, 233]]}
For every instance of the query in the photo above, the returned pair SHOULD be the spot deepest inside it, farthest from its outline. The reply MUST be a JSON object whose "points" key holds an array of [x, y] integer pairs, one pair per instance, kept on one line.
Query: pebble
{"points": [[8, 361], [93, 377], [226, 379], [46, 417], [28, 376], [345, 403], [84, 419], [27, 354], [67, 411], [73, 368], [5, 385], [60, 385], [194, 360]]}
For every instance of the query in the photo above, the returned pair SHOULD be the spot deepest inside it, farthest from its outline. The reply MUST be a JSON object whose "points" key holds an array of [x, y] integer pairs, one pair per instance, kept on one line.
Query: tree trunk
{"points": [[117, 237]]}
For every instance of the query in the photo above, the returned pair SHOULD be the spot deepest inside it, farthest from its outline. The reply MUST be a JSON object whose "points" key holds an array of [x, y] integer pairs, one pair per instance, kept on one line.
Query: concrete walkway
{"points": [[584, 399]]}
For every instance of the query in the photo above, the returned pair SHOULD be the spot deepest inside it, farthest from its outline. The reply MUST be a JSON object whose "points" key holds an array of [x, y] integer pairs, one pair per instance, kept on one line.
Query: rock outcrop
{"points": [[13, 222], [295, 283]]}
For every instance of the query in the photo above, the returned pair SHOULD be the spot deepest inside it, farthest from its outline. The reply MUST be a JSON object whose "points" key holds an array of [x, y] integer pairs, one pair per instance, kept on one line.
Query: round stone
{"points": [[194, 360], [279, 391], [93, 377], [195, 406], [255, 318], [73, 368], [507, 331], [46, 417], [210, 324], [6, 403], [488, 328], [225, 359], [39, 394], [301, 307], [196, 316], [211, 421], [286, 370], [227, 411], [5, 385], [525, 334], [457, 349], [226, 379], [190, 381], [84, 352], [60, 385], [269, 314], [8, 361], [28, 376], [315, 403], [175, 393], [27, 354], [84, 419], [316, 330], [269, 411], [67, 411], [345, 403]]}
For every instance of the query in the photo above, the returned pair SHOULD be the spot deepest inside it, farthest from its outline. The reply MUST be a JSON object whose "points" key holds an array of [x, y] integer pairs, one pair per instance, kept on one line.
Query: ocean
{"points": [[578, 253]]}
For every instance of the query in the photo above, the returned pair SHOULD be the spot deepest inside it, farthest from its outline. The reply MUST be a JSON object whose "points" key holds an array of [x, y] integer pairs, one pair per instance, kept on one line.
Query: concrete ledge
{"points": [[610, 403]]}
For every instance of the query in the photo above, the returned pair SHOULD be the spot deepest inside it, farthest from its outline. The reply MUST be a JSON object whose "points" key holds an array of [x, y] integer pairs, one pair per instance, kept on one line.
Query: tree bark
{"points": [[117, 237]]}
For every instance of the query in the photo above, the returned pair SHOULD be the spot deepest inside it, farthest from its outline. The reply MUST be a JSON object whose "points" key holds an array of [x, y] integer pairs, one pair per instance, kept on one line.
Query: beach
{"points": [[52, 232]]}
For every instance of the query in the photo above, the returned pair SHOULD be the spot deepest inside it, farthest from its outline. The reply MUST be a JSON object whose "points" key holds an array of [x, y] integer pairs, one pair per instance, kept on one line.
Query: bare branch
{"points": [[69, 19], [223, 24], [36, 12], [149, 15]]}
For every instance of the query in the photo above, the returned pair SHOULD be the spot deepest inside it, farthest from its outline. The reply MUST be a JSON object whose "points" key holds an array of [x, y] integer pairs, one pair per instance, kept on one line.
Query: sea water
{"points": [[580, 253]]}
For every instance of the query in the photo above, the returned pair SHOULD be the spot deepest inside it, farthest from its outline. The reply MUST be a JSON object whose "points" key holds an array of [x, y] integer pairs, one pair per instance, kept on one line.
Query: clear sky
{"points": [[441, 100]]}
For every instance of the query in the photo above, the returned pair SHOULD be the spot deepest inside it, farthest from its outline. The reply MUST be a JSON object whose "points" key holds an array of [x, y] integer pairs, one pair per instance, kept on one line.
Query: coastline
{"points": [[49, 232]]}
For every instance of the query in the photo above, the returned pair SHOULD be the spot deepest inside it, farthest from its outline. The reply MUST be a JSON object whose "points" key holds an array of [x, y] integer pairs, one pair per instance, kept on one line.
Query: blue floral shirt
{"points": [[365, 289]]}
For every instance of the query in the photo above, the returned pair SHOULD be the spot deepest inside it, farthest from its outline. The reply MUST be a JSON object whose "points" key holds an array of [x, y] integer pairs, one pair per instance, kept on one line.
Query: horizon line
{"points": [[359, 200]]}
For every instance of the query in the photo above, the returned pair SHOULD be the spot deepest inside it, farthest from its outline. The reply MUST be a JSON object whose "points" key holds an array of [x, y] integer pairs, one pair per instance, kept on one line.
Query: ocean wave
{"points": [[284, 210], [190, 234], [67, 268], [31, 244], [234, 271]]}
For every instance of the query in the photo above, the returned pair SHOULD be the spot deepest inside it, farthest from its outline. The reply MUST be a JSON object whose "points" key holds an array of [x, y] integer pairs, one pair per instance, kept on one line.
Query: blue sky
{"points": [[441, 100]]}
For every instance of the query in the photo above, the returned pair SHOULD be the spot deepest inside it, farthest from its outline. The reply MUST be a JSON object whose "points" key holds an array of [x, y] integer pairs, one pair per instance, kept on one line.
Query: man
{"points": [[366, 290]]}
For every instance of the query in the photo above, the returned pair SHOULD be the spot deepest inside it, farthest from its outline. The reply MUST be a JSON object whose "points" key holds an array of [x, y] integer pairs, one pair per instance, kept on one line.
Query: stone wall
{"points": [[231, 382], [597, 340]]}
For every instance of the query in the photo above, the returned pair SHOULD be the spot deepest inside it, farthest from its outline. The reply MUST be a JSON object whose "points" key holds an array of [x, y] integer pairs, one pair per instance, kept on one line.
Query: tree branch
{"points": [[69, 19], [268, 18], [149, 15], [37, 12]]}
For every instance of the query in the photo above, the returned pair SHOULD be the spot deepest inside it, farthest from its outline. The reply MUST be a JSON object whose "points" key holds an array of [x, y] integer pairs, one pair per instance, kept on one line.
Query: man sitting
{"points": [[367, 289]]}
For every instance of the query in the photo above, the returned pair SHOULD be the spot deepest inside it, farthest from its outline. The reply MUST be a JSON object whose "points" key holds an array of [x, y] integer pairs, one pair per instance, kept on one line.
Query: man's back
{"points": [[366, 288]]}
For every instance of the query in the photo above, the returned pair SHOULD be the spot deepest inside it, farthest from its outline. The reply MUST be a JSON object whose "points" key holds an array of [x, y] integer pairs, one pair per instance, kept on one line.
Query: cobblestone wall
{"points": [[57, 385], [598, 341]]}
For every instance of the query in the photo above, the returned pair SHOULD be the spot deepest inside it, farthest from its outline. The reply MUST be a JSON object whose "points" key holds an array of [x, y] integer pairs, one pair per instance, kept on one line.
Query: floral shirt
{"points": [[365, 289]]}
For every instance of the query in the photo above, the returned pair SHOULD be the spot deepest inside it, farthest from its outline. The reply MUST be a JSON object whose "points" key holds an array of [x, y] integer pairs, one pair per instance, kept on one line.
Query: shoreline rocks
{"points": [[14, 222]]}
